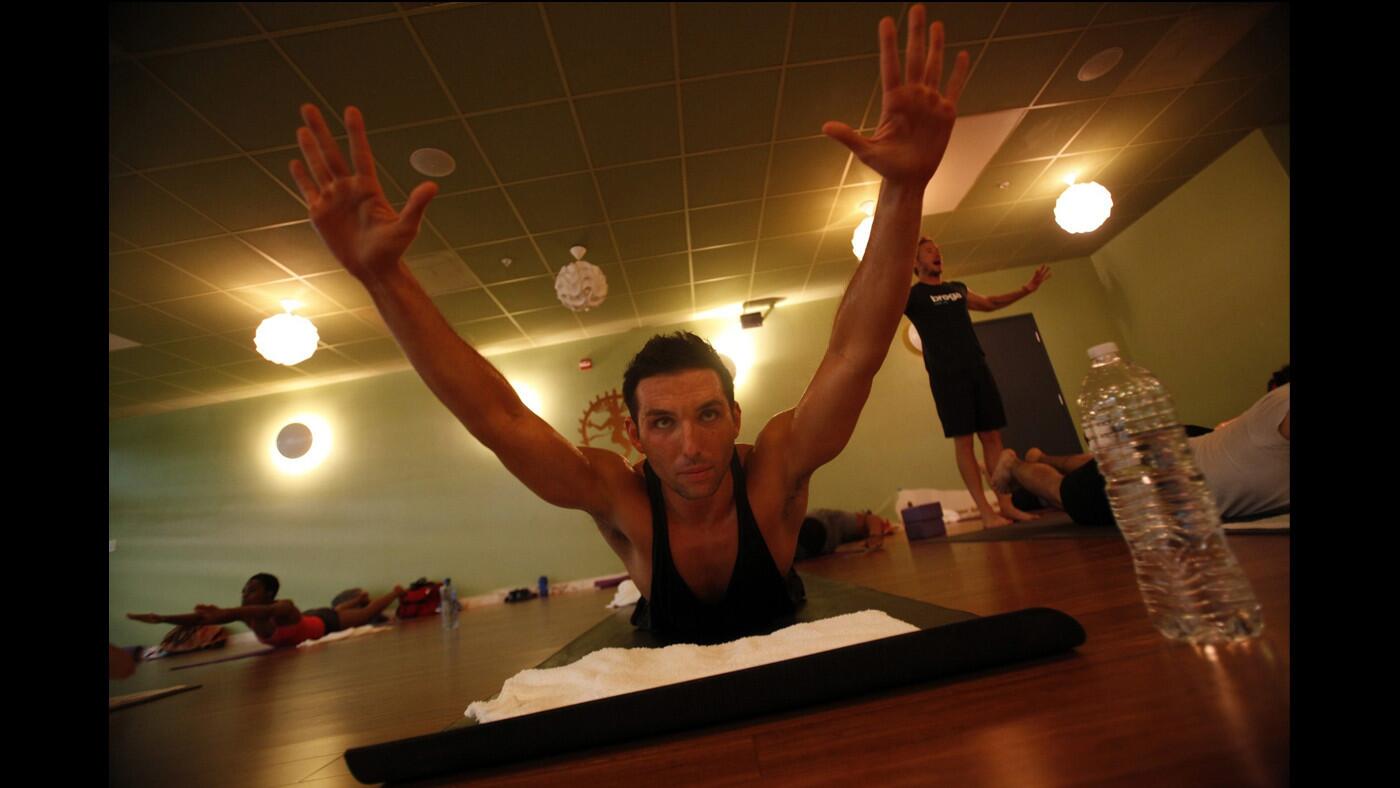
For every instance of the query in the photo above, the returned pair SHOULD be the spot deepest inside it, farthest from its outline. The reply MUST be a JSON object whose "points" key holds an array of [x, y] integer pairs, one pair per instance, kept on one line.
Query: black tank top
{"points": [[758, 599]]}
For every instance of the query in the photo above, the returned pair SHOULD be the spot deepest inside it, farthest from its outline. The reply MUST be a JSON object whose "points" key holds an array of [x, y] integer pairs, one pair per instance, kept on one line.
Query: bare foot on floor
{"points": [[1001, 472], [994, 520], [1017, 514]]}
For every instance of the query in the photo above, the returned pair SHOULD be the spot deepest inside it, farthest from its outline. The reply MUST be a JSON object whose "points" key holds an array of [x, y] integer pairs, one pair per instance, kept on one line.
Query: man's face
{"points": [[928, 261], [255, 593], [686, 428]]}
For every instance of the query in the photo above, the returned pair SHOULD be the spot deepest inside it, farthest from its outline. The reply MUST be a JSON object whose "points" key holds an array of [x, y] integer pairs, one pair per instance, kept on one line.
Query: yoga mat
{"points": [[949, 642], [137, 698], [1057, 525], [344, 634]]}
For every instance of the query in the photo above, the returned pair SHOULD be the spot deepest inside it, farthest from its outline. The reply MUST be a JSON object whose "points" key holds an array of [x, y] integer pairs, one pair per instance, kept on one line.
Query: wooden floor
{"points": [[1127, 708]]}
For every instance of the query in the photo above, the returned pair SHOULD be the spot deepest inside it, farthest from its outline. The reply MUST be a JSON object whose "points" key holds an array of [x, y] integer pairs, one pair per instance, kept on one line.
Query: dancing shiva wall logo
{"points": [[603, 425]]}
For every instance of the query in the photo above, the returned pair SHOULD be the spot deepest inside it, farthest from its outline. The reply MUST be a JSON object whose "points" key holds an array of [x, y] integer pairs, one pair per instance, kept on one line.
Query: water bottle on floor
{"points": [[449, 605], [1190, 581]]}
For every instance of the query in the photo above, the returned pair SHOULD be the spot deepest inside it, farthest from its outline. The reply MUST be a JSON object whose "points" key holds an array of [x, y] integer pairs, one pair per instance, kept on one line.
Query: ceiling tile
{"points": [[1134, 40], [145, 215], [1195, 155], [147, 362], [813, 95], [474, 218], [642, 189], [727, 112], [1044, 131], [796, 213], [328, 362], [806, 165], [530, 142], [147, 27], [204, 381], [143, 391], [1197, 41], [553, 324], [859, 173], [966, 224], [1011, 73], [117, 301], [1266, 103], [147, 326], [142, 277], [1263, 49], [526, 295], [264, 372], [711, 295], [1127, 12], [570, 201], [997, 251], [847, 212], [602, 49], [714, 38], [657, 272], [467, 305], [988, 189], [492, 54], [632, 126], [223, 261], [1194, 110], [344, 327], [393, 150], [485, 261], [286, 16], [209, 351], [247, 90], [1028, 215], [794, 250], [120, 376], [1026, 18], [617, 309], [829, 30], [597, 239], [268, 298], [149, 127], [825, 275], [724, 177], [1082, 167], [234, 192], [115, 244], [216, 313], [656, 235], [1133, 164], [387, 78], [296, 246], [722, 262], [835, 246], [964, 22], [484, 333], [345, 289], [664, 303], [725, 224], [1148, 195], [1120, 120], [785, 282]]}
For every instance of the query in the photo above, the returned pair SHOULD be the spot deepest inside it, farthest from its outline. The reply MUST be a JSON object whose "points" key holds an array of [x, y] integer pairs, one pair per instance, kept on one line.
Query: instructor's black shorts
{"points": [[967, 400], [328, 615], [1085, 498]]}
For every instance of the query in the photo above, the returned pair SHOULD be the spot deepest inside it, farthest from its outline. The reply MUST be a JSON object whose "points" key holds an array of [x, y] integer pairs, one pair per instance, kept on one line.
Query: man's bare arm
{"points": [[916, 121], [368, 237], [983, 303]]}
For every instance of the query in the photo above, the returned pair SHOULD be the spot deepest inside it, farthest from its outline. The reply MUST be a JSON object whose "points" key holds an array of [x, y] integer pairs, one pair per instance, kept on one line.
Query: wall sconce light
{"points": [[752, 318], [286, 338], [301, 444]]}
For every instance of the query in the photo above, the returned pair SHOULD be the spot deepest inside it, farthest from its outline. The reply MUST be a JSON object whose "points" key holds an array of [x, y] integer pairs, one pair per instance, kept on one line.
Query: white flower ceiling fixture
{"points": [[1083, 207], [580, 285], [286, 338]]}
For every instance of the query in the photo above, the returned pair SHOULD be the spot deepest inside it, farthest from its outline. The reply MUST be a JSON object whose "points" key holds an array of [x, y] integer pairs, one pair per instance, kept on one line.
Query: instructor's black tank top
{"points": [[758, 599]]}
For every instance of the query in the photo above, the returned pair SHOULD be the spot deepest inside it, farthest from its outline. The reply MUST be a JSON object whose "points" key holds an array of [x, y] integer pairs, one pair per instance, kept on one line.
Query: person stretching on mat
{"points": [[706, 528], [277, 622]]}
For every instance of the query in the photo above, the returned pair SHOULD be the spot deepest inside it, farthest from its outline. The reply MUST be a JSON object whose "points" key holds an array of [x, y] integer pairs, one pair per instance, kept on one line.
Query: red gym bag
{"points": [[421, 599]]}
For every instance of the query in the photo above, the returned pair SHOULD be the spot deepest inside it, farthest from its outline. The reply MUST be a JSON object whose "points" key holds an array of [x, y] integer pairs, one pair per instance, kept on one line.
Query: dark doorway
{"points": [[1036, 414]]}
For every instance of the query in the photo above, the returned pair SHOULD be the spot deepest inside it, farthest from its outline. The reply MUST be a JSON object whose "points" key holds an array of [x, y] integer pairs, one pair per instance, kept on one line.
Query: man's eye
{"points": [[709, 415], [661, 424]]}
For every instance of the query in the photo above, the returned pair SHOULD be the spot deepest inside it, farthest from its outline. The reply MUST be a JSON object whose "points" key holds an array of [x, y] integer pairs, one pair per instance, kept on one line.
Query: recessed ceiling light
{"points": [[1004, 185], [506, 261], [1100, 64], [432, 162]]}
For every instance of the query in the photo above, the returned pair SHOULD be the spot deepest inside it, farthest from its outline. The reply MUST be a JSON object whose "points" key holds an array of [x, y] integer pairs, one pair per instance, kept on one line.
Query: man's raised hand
{"points": [[348, 207], [916, 120]]}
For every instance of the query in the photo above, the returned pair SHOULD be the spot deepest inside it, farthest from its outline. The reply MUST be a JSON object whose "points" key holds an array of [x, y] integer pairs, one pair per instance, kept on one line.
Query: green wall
{"points": [[196, 505], [1199, 286]]}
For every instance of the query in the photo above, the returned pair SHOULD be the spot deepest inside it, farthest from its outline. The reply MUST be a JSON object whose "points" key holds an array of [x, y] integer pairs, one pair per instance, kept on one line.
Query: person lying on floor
{"points": [[1245, 463], [706, 527], [824, 531], [278, 622]]}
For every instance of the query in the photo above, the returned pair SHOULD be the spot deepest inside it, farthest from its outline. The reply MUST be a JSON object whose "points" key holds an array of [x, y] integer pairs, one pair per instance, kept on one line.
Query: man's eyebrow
{"points": [[651, 412]]}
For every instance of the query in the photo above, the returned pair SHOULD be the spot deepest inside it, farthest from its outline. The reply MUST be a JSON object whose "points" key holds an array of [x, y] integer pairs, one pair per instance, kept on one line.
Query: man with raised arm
{"points": [[706, 528]]}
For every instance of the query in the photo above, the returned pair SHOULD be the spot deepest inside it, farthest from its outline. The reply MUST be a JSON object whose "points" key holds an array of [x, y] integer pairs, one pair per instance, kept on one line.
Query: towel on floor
{"points": [[366, 629], [627, 594], [617, 671]]}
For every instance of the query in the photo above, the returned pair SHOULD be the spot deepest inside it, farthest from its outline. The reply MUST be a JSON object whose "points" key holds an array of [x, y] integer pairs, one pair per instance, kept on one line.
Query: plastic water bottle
{"points": [[449, 604], [544, 586], [1190, 581]]}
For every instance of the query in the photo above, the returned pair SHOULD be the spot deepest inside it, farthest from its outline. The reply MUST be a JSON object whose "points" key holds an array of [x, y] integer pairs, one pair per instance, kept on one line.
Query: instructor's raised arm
{"points": [[916, 121], [350, 212]]}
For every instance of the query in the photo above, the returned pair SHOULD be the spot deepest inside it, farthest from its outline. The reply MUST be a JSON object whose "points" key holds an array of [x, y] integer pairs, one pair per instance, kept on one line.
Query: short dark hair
{"points": [[666, 353], [268, 581], [1281, 376], [924, 239]]}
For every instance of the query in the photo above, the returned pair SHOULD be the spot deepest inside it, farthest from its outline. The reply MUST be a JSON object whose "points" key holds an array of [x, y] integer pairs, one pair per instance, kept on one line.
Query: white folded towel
{"points": [[627, 594], [617, 671]]}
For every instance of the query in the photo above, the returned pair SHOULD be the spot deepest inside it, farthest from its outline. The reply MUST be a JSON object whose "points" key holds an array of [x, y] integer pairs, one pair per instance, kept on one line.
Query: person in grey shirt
{"points": [[825, 530]]}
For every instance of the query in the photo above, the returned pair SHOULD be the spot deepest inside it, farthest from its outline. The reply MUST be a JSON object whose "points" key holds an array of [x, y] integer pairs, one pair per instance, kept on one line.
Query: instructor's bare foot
{"points": [[1001, 473], [1016, 514], [993, 520]]}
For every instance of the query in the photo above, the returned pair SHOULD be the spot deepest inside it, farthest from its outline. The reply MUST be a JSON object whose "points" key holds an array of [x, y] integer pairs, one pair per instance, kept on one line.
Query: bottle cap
{"points": [[1103, 349]]}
